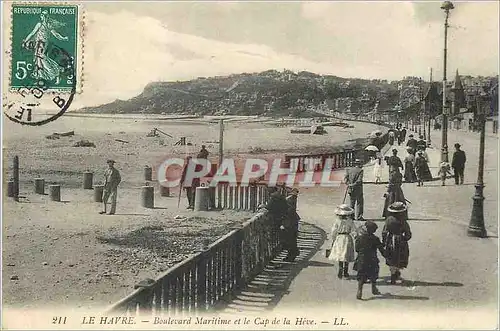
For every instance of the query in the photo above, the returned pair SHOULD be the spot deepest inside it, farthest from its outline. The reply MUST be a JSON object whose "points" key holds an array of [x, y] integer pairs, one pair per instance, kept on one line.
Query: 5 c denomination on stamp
{"points": [[45, 61]]}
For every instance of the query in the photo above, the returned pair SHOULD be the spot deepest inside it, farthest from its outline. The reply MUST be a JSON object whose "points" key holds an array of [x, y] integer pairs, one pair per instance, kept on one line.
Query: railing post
{"points": [[238, 263], [253, 197], [201, 282]]}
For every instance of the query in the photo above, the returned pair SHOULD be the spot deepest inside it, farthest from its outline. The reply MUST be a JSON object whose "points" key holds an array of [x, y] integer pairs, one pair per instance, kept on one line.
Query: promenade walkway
{"points": [[451, 280]]}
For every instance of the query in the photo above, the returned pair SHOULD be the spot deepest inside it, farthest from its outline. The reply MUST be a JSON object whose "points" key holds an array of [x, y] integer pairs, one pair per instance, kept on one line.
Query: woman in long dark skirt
{"points": [[395, 236], [410, 175], [367, 262], [394, 192]]}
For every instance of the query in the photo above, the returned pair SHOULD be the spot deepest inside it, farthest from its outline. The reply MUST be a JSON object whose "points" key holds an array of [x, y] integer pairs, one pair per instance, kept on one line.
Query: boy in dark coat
{"points": [[367, 262]]}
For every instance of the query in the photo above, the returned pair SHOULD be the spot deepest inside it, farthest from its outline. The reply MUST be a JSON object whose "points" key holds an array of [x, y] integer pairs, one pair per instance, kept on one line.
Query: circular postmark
{"points": [[37, 96]]}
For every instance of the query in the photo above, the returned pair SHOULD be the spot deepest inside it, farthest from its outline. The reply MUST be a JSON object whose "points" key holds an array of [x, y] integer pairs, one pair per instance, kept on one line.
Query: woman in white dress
{"points": [[341, 237], [377, 169]]}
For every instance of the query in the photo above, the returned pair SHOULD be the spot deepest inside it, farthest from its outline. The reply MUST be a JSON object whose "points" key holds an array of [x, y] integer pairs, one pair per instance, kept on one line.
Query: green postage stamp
{"points": [[46, 46]]}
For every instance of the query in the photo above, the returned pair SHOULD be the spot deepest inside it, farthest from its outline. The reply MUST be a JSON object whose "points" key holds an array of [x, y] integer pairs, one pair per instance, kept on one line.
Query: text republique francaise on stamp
{"points": [[46, 60]]}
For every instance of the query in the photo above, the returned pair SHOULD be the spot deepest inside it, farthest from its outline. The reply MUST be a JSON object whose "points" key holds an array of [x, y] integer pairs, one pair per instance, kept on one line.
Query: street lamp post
{"points": [[447, 6], [476, 225], [429, 129]]}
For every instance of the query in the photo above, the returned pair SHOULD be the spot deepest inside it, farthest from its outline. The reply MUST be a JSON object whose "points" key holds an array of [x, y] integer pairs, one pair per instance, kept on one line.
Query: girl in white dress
{"points": [[341, 237]]}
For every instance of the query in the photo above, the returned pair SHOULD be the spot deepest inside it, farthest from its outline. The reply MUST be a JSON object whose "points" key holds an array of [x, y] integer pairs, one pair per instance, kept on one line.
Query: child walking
{"points": [[367, 262], [341, 236], [444, 169]]}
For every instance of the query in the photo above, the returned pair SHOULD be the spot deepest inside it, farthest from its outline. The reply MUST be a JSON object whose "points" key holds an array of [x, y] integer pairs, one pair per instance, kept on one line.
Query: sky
{"points": [[129, 44]]}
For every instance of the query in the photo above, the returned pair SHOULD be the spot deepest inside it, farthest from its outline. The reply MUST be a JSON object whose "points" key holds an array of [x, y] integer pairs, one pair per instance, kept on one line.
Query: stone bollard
{"points": [[55, 192], [211, 197], [87, 180], [10, 188], [39, 185], [98, 191], [164, 191], [148, 173], [148, 196], [202, 198]]}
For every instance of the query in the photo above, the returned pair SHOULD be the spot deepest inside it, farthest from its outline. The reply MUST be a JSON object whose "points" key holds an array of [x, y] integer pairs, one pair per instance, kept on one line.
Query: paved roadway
{"points": [[451, 281]]}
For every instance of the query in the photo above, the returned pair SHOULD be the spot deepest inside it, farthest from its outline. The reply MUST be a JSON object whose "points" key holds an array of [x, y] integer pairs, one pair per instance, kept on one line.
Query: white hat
{"points": [[344, 210]]}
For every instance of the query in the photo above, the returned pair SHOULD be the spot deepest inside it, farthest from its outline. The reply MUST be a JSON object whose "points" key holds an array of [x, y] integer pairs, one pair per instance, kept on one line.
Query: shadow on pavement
{"points": [[317, 264], [411, 283], [395, 297], [409, 219], [424, 283], [266, 289]]}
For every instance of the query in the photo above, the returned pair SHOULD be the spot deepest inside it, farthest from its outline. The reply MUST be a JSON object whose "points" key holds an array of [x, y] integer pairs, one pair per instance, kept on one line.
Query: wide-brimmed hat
{"points": [[397, 207], [371, 226], [110, 161], [344, 210]]}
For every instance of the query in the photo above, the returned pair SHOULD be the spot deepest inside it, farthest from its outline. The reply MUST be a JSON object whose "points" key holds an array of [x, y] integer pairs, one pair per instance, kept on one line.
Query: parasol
{"points": [[371, 148]]}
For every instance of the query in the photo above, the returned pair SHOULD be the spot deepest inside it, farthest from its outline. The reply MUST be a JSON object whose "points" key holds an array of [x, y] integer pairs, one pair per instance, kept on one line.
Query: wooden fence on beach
{"points": [[240, 197], [334, 161], [209, 277]]}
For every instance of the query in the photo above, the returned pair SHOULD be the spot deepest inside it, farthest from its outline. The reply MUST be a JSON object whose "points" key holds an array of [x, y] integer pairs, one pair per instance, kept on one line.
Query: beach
{"points": [[65, 253]]}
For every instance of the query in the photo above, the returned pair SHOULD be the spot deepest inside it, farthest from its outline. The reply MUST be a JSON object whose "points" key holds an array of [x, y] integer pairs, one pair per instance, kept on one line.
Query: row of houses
{"points": [[461, 100]]}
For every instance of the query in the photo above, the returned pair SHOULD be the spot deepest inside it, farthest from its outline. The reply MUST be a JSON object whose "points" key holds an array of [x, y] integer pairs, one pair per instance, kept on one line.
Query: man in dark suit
{"points": [[354, 180], [458, 164], [189, 187], [402, 135]]}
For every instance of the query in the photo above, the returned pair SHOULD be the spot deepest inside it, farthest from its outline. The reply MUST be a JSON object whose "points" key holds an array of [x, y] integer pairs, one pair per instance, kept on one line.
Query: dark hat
{"points": [[371, 226], [397, 207], [110, 161], [411, 136], [457, 145]]}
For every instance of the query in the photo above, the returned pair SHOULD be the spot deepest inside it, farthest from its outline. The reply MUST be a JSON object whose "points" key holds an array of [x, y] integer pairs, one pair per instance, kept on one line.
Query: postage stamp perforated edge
{"points": [[80, 37]]}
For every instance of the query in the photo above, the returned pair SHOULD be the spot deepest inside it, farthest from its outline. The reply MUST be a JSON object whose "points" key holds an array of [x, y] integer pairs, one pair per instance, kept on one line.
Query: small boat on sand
{"points": [[315, 129]]}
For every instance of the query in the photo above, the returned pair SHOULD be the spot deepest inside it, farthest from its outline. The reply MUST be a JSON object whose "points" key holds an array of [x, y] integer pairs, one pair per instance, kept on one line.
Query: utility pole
{"points": [[430, 108], [221, 157]]}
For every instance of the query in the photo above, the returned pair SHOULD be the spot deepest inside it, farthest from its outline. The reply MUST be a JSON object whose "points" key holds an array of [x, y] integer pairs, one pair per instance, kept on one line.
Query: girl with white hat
{"points": [[341, 236]]}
